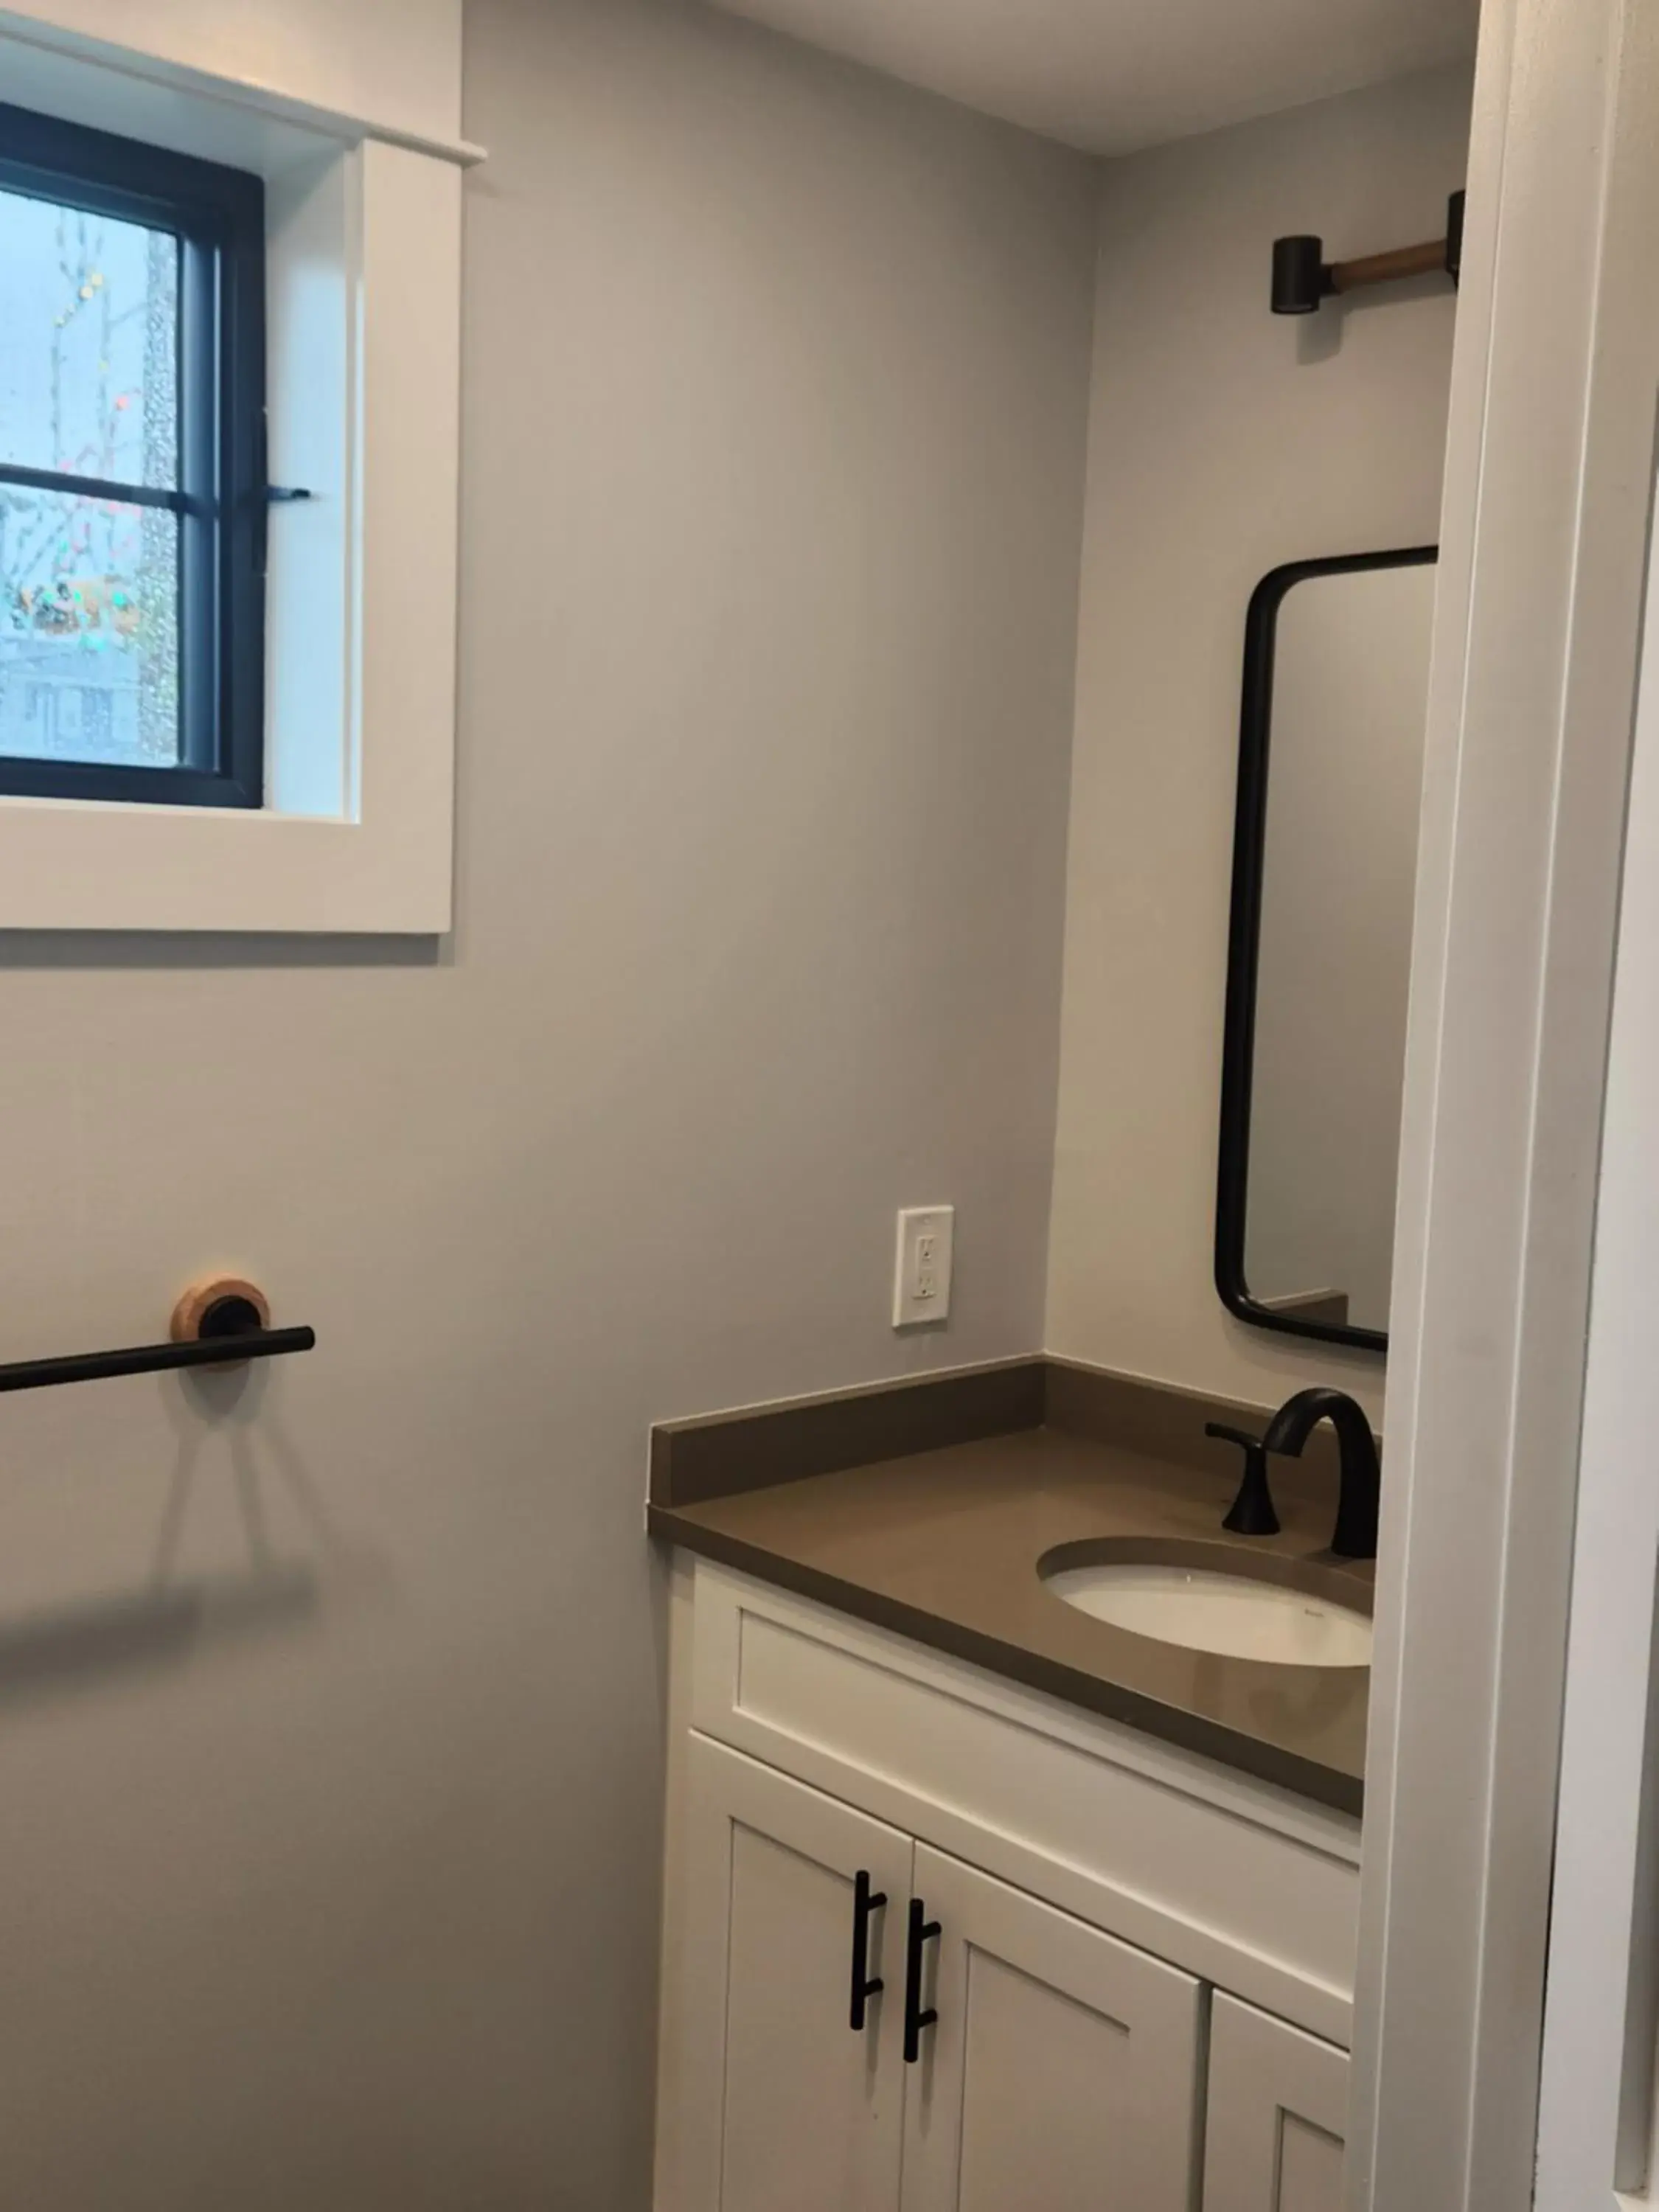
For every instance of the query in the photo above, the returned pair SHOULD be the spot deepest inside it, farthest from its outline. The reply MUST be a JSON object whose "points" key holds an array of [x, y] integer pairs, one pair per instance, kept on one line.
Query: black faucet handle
{"points": [[1232, 1436], [1252, 1512]]}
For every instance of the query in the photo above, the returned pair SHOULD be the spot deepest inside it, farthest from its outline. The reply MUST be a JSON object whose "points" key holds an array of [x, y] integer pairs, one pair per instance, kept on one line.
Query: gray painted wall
{"points": [[330, 1704], [1225, 441]]}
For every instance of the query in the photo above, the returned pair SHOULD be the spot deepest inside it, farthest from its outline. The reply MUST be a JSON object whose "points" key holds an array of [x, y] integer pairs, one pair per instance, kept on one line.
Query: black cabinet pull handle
{"points": [[865, 1985], [922, 1930]]}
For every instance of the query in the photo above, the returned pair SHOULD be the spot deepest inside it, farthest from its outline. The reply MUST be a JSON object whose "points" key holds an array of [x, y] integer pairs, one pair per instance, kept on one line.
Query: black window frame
{"points": [[218, 215]]}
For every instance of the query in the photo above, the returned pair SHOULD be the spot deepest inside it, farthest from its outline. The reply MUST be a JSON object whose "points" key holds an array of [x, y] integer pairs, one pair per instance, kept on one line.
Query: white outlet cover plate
{"points": [[922, 1266]]}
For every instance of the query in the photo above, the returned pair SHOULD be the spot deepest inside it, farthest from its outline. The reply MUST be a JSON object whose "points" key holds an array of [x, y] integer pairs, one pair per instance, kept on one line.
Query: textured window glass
{"points": [[88, 586], [89, 644], [89, 344]]}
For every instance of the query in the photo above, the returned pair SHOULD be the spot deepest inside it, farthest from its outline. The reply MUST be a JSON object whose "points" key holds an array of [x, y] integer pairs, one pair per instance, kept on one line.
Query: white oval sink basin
{"points": [[1232, 1614]]}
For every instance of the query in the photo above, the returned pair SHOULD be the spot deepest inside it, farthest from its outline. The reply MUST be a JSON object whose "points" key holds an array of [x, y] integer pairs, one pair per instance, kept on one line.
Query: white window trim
{"points": [[376, 728], [148, 43]]}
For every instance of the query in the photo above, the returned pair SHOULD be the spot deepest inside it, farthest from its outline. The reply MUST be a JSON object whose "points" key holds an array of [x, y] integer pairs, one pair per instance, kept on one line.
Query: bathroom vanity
{"points": [[974, 1900]]}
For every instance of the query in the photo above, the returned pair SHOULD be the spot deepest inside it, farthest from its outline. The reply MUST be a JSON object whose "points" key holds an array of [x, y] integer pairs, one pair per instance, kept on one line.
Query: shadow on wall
{"points": [[168, 1622], [1319, 337]]}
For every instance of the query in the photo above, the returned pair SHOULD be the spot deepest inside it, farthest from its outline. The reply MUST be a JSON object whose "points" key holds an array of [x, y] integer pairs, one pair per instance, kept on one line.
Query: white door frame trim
{"points": [[1549, 466], [1596, 2105]]}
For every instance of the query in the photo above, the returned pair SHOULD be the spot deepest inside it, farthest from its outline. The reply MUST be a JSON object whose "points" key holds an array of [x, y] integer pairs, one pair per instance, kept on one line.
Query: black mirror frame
{"points": [[1244, 942]]}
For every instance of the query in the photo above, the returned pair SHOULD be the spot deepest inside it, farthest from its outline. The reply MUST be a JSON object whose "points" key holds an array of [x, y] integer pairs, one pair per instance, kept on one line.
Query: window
{"points": [[132, 476], [308, 716]]}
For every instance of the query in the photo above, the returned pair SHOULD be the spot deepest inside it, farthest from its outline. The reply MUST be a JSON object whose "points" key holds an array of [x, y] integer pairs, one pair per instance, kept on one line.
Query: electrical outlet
{"points": [[922, 1268]]}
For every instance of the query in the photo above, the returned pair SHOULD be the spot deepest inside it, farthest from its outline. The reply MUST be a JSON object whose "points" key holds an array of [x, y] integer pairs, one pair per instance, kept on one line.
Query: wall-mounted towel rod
{"points": [[216, 1324], [1303, 277]]}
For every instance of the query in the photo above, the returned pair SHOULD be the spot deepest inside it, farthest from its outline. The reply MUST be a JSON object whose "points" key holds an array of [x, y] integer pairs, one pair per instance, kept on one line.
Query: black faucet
{"points": [[1251, 1513], [1361, 1475]]}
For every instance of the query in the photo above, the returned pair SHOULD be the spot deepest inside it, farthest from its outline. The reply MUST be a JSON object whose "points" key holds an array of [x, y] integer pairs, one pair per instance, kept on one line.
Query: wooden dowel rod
{"points": [[1426, 260]]}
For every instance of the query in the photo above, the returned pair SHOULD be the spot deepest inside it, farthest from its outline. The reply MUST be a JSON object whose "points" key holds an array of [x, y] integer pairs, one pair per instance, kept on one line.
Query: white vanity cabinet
{"points": [[1276, 2113], [778, 2101], [1120, 1957], [1058, 2071], [1061, 2074]]}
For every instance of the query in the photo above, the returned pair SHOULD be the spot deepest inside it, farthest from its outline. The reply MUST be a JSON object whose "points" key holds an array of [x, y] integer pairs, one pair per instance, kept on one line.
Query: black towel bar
{"points": [[226, 1326]]}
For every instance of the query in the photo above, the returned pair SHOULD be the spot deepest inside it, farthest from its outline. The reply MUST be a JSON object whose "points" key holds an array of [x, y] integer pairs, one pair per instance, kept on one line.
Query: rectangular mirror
{"points": [[1336, 671]]}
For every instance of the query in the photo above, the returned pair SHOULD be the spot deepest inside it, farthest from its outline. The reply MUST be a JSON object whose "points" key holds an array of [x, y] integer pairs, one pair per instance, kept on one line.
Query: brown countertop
{"points": [[943, 1546]]}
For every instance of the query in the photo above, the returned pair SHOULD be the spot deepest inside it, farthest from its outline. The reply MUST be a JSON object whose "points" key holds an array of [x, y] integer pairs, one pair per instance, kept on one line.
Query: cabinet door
{"points": [[1277, 2113], [1061, 2074], [770, 2099]]}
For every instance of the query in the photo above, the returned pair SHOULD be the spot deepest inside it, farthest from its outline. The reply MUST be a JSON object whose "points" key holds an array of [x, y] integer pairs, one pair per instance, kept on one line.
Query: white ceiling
{"points": [[1111, 76]]}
